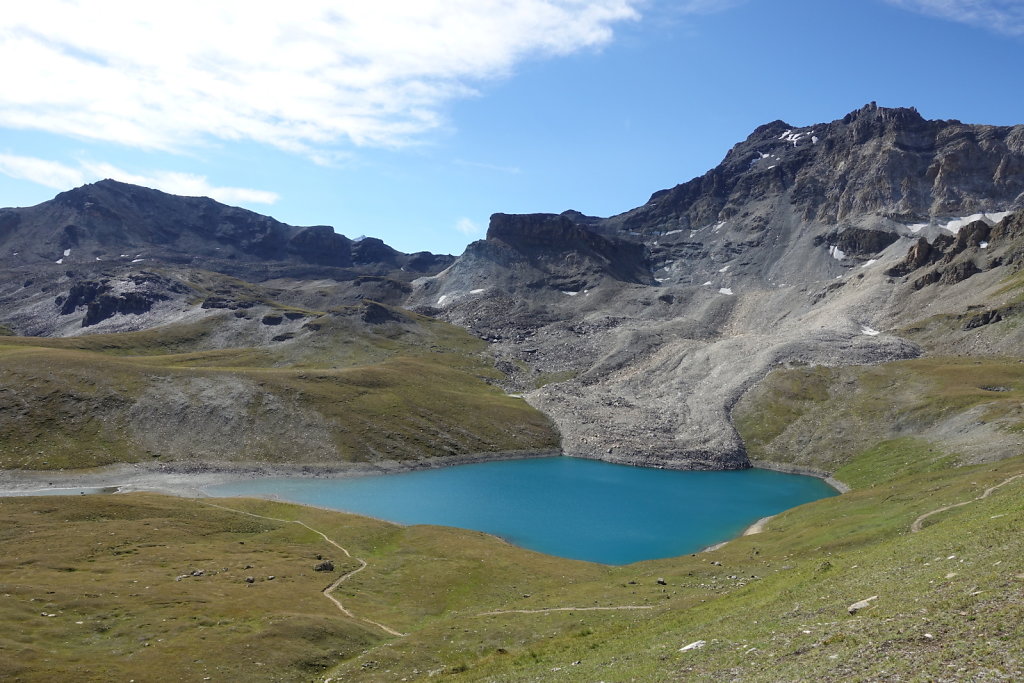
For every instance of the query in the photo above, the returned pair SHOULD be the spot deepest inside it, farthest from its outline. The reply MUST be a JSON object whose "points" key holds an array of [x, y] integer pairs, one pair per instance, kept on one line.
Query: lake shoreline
{"points": [[190, 480], [789, 468], [193, 480]]}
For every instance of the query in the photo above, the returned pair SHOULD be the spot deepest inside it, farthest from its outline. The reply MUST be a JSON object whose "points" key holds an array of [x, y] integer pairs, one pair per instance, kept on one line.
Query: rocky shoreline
{"points": [[789, 468], [191, 480]]}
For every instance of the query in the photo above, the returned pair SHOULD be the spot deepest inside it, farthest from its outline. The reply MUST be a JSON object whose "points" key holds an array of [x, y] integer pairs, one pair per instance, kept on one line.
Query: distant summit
{"points": [[112, 221]]}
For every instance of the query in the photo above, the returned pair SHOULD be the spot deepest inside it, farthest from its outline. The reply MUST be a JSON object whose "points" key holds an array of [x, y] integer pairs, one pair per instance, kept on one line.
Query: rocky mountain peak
{"points": [[874, 164], [893, 115]]}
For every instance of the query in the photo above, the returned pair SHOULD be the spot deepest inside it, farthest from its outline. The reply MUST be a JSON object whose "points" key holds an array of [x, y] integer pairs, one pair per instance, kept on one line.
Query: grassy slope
{"points": [[411, 388], [770, 606], [920, 409]]}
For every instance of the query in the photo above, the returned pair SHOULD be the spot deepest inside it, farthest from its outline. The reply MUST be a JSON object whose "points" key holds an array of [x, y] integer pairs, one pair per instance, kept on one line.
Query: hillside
{"points": [[178, 332]]}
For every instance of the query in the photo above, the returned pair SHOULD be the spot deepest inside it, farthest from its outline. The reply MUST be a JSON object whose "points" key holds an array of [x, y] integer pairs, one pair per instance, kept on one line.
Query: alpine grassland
{"points": [[144, 586]]}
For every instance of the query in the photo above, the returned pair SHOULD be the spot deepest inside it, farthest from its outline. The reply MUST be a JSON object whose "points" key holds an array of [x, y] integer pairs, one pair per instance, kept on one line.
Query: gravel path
{"points": [[327, 591], [917, 525]]}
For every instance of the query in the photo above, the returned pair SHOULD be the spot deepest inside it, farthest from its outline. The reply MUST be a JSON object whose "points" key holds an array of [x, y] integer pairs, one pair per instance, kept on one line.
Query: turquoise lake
{"points": [[570, 507]]}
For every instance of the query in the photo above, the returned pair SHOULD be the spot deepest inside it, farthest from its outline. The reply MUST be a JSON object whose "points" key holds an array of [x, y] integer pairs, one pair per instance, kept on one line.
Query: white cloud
{"points": [[467, 227], [304, 76], [63, 177], [42, 172], [1000, 16]]}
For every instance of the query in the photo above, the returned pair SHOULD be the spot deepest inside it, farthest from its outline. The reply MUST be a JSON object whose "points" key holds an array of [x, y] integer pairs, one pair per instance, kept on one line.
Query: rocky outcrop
{"points": [[860, 242], [571, 256], [103, 299]]}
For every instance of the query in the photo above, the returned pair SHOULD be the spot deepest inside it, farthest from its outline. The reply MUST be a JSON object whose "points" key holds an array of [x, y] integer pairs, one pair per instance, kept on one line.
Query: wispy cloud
{"points": [[60, 176], [304, 76], [1000, 16], [467, 227], [50, 174]]}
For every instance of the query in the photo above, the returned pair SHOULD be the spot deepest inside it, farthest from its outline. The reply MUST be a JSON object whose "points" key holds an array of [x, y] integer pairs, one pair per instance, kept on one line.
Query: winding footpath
{"points": [[919, 522], [345, 577]]}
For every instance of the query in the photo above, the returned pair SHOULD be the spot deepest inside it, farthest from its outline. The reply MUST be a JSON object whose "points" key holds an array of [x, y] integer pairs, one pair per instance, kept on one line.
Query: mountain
{"points": [[789, 252], [98, 222], [177, 330], [877, 237], [123, 249]]}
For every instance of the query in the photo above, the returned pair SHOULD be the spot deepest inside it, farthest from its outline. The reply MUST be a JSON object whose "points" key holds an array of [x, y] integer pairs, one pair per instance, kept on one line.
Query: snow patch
{"points": [[953, 225], [792, 136], [706, 284], [723, 269], [814, 139], [870, 261], [59, 261], [67, 252], [477, 291], [983, 245], [672, 232], [869, 331], [570, 293], [837, 253], [441, 300], [137, 260], [718, 227], [725, 290]]}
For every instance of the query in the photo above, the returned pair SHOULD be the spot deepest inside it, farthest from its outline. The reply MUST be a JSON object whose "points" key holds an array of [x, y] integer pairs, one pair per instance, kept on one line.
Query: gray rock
{"points": [[861, 604]]}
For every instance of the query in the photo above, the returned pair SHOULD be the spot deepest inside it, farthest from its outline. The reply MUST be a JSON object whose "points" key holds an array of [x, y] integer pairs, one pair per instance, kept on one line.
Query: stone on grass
{"points": [[861, 604]]}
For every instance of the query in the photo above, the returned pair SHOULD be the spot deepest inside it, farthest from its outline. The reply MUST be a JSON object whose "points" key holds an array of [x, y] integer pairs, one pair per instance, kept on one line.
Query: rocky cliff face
{"points": [[791, 251]]}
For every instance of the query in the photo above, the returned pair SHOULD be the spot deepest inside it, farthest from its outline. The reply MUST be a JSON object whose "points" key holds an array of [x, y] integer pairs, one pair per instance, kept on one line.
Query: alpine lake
{"points": [[568, 507]]}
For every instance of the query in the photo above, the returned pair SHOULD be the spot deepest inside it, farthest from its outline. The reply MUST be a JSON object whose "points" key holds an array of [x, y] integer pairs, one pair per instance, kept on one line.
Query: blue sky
{"points": [[414, 120]]}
